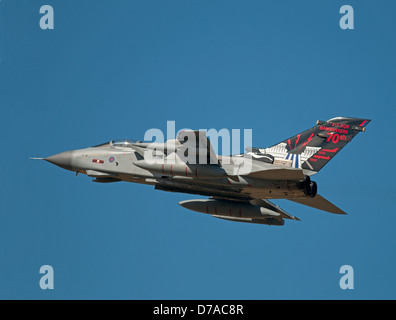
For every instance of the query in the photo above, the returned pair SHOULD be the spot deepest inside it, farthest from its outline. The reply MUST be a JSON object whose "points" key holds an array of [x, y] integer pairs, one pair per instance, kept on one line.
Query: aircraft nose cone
{"points": [[63, 159]]}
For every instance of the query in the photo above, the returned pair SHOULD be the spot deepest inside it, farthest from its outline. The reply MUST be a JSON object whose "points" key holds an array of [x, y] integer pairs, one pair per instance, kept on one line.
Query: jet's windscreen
{"points": [[124, 143]]}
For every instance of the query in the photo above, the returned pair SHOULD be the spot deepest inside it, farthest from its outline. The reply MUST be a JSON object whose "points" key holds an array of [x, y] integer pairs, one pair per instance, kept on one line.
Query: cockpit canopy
{"points": [[122, 143]]}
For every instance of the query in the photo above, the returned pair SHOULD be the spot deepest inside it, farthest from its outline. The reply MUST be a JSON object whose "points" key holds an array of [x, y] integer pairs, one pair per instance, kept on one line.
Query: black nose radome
{"points": [[63, 160]]}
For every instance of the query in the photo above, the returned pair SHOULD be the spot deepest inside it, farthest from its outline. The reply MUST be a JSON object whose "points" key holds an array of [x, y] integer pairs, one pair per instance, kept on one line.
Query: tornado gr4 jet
{"points": [[238, 186]]}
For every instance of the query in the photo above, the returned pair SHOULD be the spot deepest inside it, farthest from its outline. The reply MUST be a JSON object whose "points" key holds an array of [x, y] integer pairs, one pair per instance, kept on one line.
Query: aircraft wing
{"points": [[279, 173], [320, 203], [198, 142]]}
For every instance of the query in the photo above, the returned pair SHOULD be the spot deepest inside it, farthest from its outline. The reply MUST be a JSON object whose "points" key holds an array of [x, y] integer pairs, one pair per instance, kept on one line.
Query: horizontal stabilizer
{"points": [[320, 203], [278, 174]]}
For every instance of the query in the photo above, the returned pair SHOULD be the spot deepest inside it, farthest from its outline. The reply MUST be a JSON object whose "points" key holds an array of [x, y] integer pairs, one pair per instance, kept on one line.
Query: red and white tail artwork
{"points": [[315, 147]]}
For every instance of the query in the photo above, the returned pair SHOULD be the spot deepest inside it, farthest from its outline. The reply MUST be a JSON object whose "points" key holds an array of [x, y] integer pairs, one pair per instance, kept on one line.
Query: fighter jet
{"points": [[238, 186]]}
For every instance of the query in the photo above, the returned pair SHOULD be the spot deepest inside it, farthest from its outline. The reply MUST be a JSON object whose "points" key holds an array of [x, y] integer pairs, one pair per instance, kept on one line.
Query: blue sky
{"points": [[116, 69]]}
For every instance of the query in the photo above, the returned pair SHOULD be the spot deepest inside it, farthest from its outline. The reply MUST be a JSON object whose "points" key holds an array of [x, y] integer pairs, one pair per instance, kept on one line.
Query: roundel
{"points": [[111, 159]]}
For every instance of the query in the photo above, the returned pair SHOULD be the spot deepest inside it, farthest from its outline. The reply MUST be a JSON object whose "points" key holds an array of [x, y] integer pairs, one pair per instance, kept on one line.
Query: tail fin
{"points": [[315, 147]]}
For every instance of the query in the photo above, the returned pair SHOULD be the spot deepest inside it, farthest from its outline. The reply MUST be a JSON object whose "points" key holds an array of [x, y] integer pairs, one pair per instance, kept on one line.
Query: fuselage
{"points": [[113, 163], [238, 186]]}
